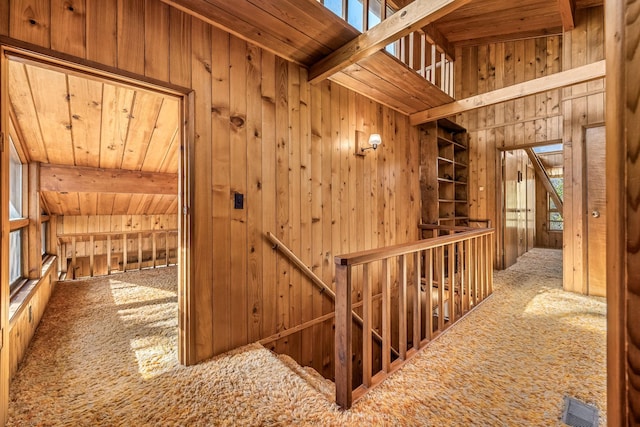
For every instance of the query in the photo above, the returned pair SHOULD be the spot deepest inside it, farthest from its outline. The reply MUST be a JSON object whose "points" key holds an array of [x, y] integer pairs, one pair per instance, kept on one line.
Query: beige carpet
{"points": [[105, 355]]}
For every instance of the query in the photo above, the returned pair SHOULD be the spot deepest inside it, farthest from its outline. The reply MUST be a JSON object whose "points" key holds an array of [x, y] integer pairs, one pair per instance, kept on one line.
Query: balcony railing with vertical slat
{"points": [[432, 282], [417, 50]]}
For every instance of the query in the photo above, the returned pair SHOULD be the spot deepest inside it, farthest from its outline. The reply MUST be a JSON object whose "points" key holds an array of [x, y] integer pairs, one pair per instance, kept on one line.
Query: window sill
{"points": [[21, 299]]}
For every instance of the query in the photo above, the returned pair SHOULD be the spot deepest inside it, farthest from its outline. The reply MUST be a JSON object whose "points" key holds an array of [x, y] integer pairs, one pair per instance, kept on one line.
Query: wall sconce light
{"points": [[374, 141]]}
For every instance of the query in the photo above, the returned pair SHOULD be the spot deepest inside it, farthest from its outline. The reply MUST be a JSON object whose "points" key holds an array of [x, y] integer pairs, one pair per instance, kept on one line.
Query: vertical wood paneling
{"points": [[269, 277], [179, 42], [156, 40], [4, 17], [295, 201], [203, 201], [238, 217], [68, 27], [536, 118], [30, 21], [221, 192], [131, 39], [254, 192], [262, 131], [101, 31], [282, 194]]}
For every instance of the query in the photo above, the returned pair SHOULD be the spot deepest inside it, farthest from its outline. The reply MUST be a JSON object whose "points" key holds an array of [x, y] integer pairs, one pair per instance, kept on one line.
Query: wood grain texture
{"points": [[295, 123], [616, 81], [632, 115], [68, 29], [101, 33]]}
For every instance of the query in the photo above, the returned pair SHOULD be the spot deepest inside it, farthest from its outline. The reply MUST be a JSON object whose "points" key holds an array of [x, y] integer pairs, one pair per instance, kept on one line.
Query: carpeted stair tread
{"points": [[311, 376]]}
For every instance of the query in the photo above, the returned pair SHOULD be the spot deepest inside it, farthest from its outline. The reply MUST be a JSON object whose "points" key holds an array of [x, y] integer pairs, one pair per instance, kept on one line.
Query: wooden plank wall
{"points": [[24, 322], [262, 131], [582, 105], [557, 114]]}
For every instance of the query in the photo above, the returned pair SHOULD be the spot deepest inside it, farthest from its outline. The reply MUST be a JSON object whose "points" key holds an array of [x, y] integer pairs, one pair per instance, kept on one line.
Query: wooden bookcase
{"points": [[444, 173]]}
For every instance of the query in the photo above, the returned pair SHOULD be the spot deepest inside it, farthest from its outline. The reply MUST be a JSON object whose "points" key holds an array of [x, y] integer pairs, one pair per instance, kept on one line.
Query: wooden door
{"points": [[510, 209], [596, 211]]}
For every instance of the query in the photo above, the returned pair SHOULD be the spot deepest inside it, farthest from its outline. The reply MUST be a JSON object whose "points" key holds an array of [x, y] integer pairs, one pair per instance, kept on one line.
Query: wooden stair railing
{"points": [[69, 242], [451, 275], [277, 244]]}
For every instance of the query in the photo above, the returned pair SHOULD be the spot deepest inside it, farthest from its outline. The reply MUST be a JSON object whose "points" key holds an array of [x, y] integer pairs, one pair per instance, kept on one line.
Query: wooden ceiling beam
{"points": [[570, 77], [567, 13], [72, 179], [413, 17]]}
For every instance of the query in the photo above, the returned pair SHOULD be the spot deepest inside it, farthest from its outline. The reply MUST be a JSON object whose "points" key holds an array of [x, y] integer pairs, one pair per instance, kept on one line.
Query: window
{"points": [[554, 218], [17, 222], [45, 228], [15, 183], [15, 258]]}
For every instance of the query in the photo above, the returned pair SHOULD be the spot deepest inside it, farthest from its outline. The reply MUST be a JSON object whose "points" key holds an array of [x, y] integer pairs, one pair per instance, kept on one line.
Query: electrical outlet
{"points": [[238, 201]]}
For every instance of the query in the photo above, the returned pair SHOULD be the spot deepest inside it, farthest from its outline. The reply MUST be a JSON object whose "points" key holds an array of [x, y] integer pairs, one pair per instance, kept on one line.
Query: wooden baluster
{"points": [[491, 263], [443, 74], [139, 251], [386, 316], [411, 58], [383, 10], [124, 252], [467, 273], [367, 325], [73, 257], [452, 90], [108, 254], [153, 248], [441, 289], [417, 318], [423, 54], [461, 281], [91, 255], [166, 248], [429, 290], [365, 15], [433, 64], [474, 258], [402, 308], [481, 265], [343, 343], [452, 283]]}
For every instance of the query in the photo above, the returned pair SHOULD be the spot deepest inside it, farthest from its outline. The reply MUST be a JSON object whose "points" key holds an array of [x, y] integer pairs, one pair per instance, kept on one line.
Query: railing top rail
{"points": [[63, 237], [445, 227], [362, 257]]}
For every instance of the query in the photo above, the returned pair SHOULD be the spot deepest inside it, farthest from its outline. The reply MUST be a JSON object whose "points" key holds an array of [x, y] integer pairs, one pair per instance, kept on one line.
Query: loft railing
{"points": [[419, 51], [450, 275], [102, 253]]}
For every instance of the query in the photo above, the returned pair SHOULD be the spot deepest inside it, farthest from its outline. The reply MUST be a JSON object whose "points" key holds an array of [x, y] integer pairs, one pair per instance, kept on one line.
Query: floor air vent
{"points": [[578, 414]]}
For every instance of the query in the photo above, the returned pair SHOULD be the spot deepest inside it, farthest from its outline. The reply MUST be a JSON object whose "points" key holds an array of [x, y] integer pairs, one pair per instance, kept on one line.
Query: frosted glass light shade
{"points": [[375, 140]]}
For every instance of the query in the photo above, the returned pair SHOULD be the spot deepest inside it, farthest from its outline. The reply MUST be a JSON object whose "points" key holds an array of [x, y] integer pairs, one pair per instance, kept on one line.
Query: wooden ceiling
{"points": [[93, 127], [304, 31]]}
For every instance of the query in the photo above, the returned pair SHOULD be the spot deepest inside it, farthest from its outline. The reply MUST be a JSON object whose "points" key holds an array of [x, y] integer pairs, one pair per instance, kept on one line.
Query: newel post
{"points": [[343, 351]]}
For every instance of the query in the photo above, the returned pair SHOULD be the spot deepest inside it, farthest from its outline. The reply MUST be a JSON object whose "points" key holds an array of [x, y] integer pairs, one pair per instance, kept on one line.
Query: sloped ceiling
{"points": [[68, 120]]}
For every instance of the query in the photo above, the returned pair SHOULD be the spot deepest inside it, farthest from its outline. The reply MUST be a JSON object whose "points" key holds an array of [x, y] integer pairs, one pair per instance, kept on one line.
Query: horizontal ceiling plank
{"points": [[221, 16], [70, 179], [532, 87], [413, 17]]}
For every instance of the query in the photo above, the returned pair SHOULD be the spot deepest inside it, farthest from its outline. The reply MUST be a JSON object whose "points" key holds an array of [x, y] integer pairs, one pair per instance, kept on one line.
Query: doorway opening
{"points": [[98, 169], [532, 194]]}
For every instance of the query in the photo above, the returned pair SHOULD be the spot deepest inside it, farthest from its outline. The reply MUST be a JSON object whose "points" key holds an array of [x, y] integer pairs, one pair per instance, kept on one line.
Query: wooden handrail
{"points": [[316, 280], [357, 258], [452, 275]]}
